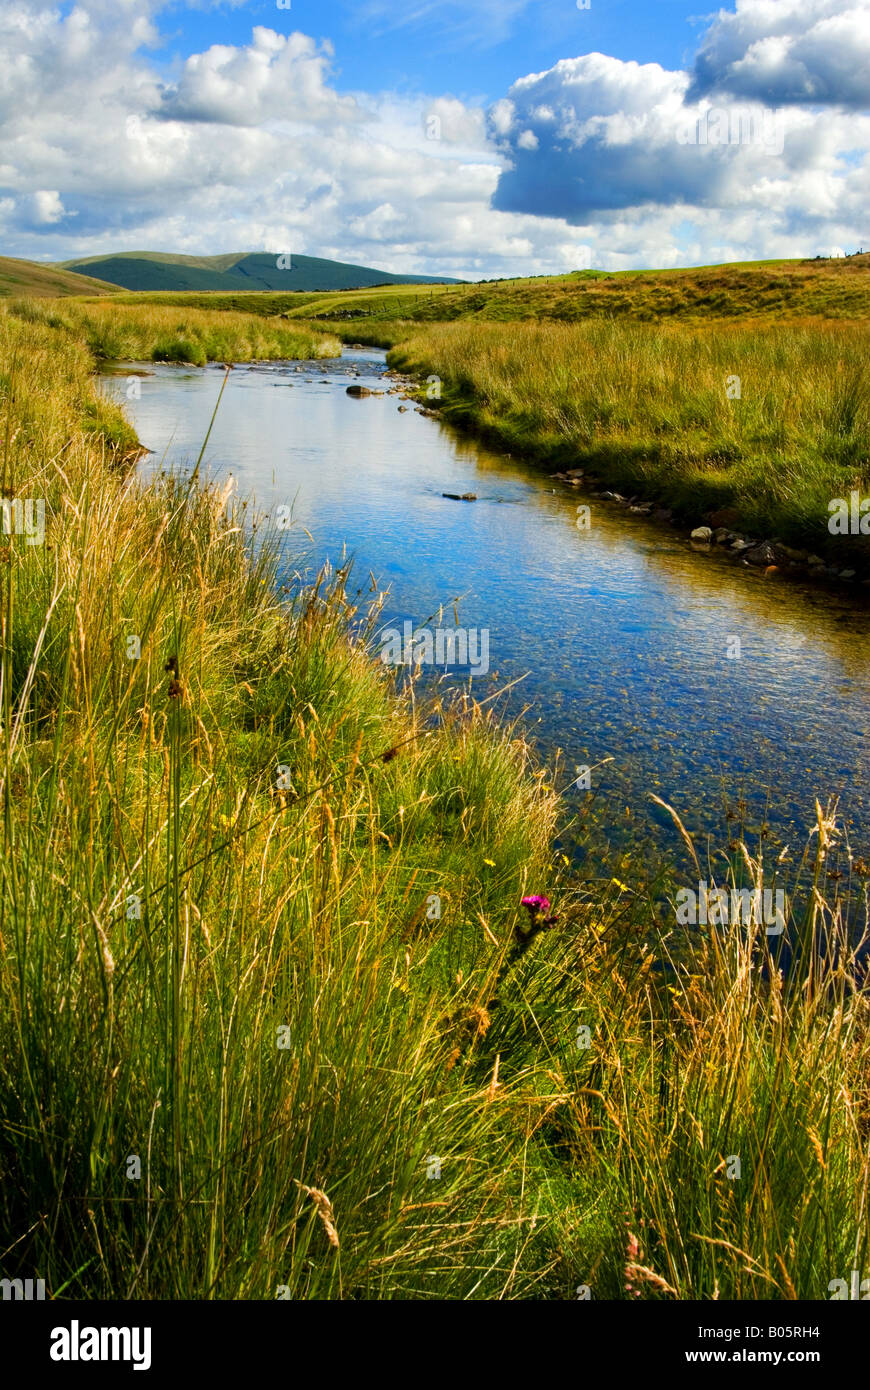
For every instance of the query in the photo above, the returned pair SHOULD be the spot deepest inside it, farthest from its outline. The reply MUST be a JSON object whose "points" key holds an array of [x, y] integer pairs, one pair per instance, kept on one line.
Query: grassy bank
{"points": [[654, 409], [203, 856], [148, 332], [272, 1017]]}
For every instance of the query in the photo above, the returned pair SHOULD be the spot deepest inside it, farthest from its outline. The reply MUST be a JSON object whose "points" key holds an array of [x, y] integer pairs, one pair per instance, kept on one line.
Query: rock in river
{"points": [[763, 554]]}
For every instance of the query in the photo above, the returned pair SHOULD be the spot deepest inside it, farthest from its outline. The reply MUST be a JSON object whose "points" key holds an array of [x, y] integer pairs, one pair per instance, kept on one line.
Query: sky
{"points": [[478, 139]]}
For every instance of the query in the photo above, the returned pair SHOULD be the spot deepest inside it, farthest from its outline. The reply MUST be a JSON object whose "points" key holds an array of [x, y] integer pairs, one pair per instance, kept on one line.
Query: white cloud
{"points": [[502, 116], [804, 52], [276, 77], [609, 136], [250, 147], [47, 207], [450, 120]]}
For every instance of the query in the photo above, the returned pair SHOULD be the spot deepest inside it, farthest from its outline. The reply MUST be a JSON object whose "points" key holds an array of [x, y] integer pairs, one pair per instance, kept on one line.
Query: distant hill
{"points": [[156, 270], [31, 279]]}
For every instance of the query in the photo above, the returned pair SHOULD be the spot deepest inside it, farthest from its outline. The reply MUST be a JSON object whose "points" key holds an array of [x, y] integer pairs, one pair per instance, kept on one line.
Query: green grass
{"points": [[233, 1041], [258, 906], [115, 330], [647, 408]]}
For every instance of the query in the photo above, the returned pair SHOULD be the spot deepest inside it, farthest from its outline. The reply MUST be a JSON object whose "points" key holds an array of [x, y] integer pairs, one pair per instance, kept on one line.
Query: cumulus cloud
{"points": [[450, 120], [596, 136], [591, 134], [276, 77], [801, 52]]}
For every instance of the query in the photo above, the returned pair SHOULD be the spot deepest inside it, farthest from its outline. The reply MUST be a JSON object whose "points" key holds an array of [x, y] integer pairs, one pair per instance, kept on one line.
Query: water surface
{"points": [[621, 633]]}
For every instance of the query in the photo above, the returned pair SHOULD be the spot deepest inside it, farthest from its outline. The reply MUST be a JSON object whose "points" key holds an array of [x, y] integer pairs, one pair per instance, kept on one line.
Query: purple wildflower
{"points": [[536, 904]]}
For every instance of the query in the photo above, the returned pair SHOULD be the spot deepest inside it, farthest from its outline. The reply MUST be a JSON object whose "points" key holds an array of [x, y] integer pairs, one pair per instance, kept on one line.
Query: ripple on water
{"points": [[622, 635]]}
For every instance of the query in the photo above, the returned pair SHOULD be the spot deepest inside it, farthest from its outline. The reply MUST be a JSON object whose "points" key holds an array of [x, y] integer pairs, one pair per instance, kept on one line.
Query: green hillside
{"points": [[154, 270], [45, 281]]}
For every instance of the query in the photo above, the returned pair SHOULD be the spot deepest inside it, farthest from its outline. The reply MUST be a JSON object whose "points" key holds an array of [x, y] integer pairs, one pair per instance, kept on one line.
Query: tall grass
{"points": [[205, 845], [241, 1053], [656, 408], [149, 332]]}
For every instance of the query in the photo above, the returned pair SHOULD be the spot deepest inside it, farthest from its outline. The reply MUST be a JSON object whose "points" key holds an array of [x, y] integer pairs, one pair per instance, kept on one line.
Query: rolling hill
{"points": [[32, 279], [810, 290], [155, 270]]}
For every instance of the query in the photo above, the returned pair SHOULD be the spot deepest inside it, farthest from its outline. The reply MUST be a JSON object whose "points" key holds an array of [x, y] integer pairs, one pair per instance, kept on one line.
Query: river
{"points": [[623, 635]]}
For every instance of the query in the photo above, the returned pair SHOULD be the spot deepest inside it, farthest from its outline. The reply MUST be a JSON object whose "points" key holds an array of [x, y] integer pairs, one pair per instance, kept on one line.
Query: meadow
{"points": [[274, 1020], [37, 280]]}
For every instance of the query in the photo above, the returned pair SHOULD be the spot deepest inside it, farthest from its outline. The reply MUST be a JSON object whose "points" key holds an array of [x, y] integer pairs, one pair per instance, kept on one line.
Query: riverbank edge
{"points": [[664, 507]]}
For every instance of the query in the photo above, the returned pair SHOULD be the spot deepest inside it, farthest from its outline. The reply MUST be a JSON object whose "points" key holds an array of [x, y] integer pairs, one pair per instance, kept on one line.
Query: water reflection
{"points": [[622, 633]]}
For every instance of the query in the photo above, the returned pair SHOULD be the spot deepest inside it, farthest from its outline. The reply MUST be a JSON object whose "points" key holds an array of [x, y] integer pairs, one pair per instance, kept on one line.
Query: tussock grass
{"points": [[235, 1047], [647, 408]]}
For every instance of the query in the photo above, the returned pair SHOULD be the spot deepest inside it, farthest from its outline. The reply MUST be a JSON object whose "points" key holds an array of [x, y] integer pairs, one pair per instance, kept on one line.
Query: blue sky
{"points": [[478, 139], [472, 51]]}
